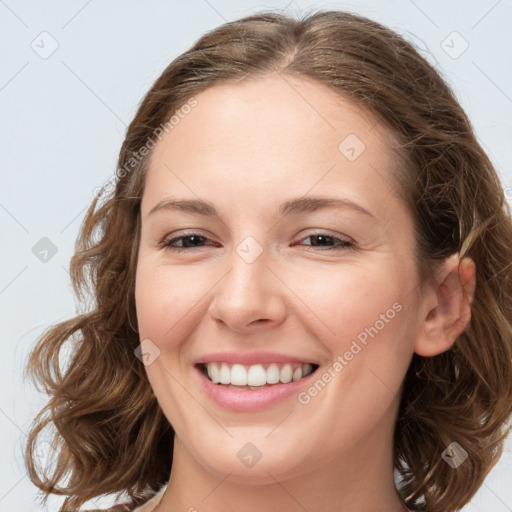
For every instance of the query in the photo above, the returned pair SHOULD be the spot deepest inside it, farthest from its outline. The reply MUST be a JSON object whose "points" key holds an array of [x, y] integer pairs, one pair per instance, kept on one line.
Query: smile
{"points": [[256, 376], [255, 385]]}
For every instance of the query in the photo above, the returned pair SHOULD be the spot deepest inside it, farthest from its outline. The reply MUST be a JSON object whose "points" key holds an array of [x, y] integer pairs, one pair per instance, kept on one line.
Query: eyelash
{"points": [[340, 243]]}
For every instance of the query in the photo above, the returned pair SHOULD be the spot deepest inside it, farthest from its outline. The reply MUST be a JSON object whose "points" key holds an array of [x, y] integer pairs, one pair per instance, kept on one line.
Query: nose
{"points": [[250, 297]]}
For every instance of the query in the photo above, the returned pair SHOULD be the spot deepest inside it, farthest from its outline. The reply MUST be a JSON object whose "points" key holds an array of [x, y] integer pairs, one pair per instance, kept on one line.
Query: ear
{"points": [[446, 306]]}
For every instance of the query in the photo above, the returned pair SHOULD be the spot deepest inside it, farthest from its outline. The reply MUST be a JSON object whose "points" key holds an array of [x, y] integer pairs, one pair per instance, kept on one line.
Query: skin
{"points": [[246, 148]]}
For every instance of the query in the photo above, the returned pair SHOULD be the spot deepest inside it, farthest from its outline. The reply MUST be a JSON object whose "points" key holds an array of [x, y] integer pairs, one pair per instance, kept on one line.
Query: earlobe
{"points": [[447, 306]]}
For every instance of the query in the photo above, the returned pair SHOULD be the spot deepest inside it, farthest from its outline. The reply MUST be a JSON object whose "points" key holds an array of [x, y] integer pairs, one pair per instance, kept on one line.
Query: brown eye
{"points": [[185, 242], [328, 242]]}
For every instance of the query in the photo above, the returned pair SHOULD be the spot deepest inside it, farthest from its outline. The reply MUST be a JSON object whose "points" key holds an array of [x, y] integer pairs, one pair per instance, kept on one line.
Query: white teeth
{"points": [[255, 376], [238, 375], [286, 374], [273, 374], [214, 373], [225, 374], [297, 374]]}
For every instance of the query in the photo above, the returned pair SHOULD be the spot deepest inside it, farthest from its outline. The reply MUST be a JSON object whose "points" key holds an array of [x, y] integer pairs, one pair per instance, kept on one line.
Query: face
{"points": [[275, 252]]}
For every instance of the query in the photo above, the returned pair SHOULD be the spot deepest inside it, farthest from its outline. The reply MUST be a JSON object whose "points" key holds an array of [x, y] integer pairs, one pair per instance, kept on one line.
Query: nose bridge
{"points": [[249, 292]]}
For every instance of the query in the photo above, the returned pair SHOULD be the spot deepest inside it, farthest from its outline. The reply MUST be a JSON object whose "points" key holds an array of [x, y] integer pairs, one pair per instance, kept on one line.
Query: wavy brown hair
{"points": [[110, 433]]}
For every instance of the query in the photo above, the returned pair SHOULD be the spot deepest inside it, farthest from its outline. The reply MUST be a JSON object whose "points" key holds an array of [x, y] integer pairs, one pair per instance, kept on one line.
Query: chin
{"points": [[255, 463]]}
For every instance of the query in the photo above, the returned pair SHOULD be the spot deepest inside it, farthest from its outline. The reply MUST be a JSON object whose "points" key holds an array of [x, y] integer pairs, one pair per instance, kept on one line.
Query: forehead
{"points": [[273, 130]]}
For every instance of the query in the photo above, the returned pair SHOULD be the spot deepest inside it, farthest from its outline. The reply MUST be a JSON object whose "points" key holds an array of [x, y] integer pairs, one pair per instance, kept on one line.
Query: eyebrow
{"points": [[297, 206]]}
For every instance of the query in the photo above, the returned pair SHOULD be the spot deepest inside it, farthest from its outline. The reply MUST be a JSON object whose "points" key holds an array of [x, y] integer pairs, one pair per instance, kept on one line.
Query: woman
{"points": [[302, 283]]}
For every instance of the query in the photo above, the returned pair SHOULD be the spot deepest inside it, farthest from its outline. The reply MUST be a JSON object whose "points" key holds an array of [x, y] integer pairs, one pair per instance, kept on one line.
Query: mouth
{"points": [[257, 376]]}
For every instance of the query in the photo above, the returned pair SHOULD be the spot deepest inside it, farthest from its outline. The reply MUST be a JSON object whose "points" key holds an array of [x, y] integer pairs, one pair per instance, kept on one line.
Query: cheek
{"points": [[165, 299], [167, 308], [350, 300], [365, 324], [371, 349]]}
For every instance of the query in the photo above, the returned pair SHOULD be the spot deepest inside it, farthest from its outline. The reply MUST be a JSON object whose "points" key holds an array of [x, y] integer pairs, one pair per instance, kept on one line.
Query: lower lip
{"points": [[251, 400]]}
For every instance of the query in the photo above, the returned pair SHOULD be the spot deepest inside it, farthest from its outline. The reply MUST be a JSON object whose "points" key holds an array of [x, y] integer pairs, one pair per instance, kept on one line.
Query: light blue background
{"points": [[64, 117]]}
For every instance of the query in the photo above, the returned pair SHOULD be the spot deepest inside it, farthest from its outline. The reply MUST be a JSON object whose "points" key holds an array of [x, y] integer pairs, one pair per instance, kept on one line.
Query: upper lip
{"points": [[251, 358]]}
